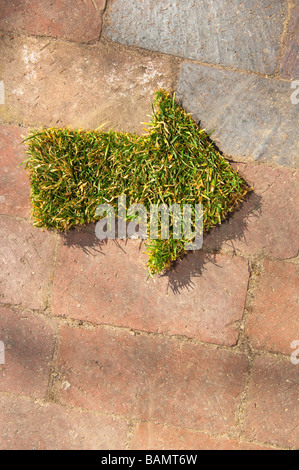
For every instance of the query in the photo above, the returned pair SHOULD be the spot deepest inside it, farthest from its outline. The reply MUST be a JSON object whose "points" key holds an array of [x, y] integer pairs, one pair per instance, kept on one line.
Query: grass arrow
{"points": [[73, 172]]}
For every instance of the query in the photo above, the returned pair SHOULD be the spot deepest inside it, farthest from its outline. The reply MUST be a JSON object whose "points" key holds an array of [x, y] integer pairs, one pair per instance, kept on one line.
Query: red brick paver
{"points": [[14, 183], [272, 411], [68, 19], [151, 378], [148, 436], [267, 224], [29, 345], [205, 298], [53, 427], [26, 256], [273, 322]]}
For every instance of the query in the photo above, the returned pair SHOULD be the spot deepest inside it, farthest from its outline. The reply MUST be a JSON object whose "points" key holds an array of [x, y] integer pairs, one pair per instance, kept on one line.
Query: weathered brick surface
{"points": [[26, 263], [151, 378], [252, 116], [244, 35], [14, 183], [68, 19], [149, 436], [272, 412], [268, 222], [25, 425], [273, 322], [290, 61], [29, 344], [112, 288], [52, 83]]}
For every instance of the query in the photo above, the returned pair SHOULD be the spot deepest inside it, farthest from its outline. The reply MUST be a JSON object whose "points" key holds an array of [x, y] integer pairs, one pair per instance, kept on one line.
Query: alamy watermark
{"points": [[134, 222], [2, 93], [295, 355], [2, 353], [295, 94]]}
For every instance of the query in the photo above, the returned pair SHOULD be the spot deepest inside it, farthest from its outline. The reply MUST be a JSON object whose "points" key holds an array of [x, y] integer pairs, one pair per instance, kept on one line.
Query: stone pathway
{"points": [[95, 356]]}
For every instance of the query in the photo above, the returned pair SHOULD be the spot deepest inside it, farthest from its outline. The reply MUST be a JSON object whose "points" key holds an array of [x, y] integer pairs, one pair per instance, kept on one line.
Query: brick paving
{"points": [[289, 67], [95, 356], [27, 263], [73, 20], [151, 378], [257, 119], [272, 408], [54, 83], [29, 346], [277, 292], [150, 436], [15, 190], [266, 224], [210, 32]]}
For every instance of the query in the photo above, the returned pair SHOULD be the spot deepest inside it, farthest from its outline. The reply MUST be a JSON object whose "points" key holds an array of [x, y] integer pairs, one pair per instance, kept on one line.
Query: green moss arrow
{"points": [[73, 172]]}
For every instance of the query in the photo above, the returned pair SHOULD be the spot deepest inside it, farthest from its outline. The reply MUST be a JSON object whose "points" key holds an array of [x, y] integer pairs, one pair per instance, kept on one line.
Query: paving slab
{"points": [[289, 67], [272, 411], [149, 436], [29, 346], [26, 256], [267, 223], [273, 320], [253, 117], [109, 285], [56, 84], [14, 183], [73, 20], [29, 425], [243, 35], [151, 378]]}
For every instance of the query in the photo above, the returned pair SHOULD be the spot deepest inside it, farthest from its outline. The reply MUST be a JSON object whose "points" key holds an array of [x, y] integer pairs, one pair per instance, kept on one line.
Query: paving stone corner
{"points": [[246, 35], [250, 116]]}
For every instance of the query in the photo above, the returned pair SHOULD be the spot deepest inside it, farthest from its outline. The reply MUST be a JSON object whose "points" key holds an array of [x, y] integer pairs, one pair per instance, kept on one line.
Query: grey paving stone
{"points": [[290, 61], [236, 33], [252, 116]]}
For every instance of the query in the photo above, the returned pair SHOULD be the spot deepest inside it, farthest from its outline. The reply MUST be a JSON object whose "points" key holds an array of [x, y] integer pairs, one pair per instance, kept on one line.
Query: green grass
{"points": [[72, 172]]}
